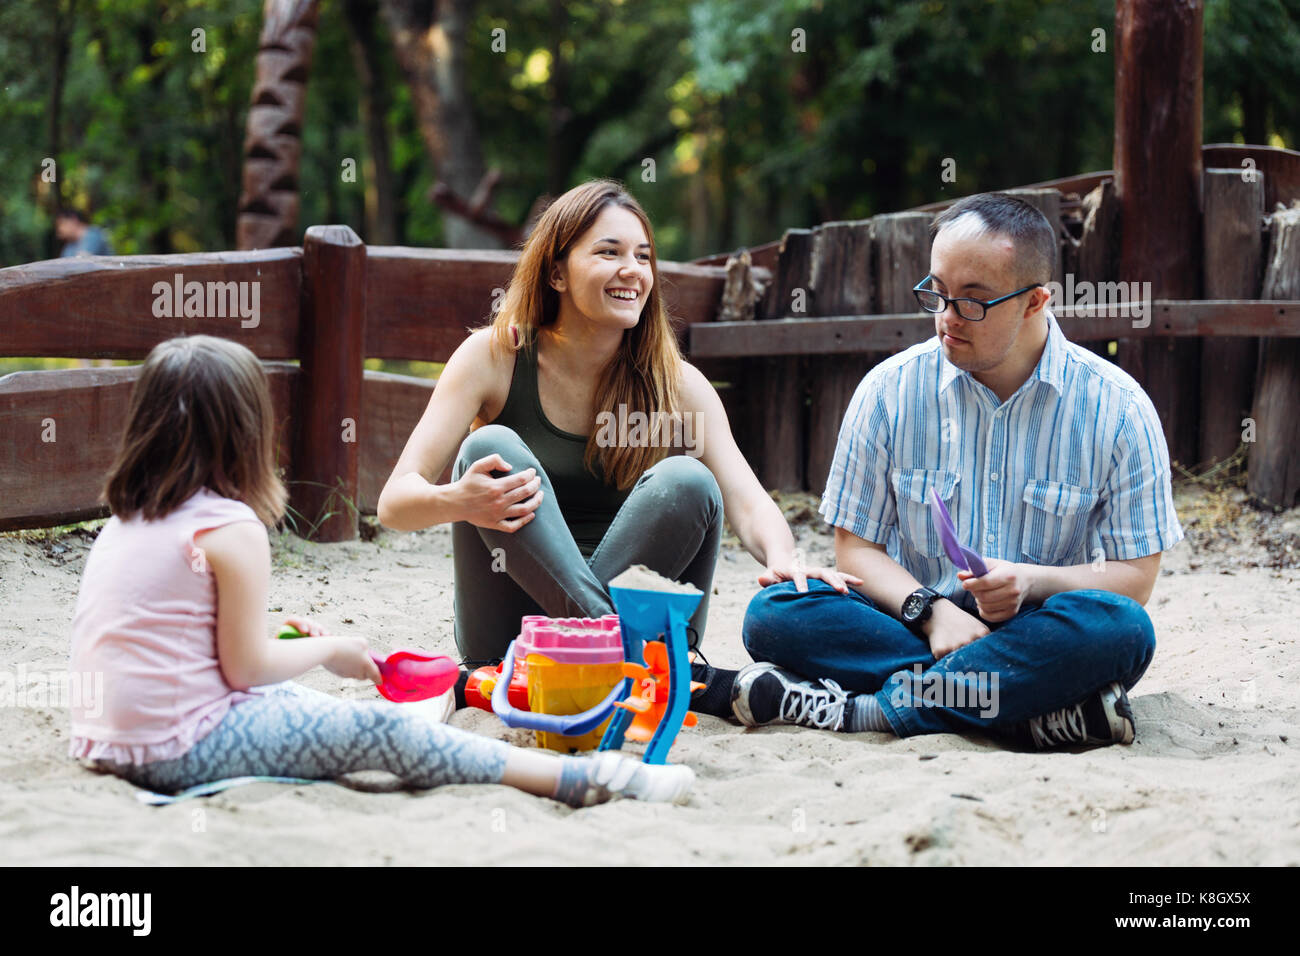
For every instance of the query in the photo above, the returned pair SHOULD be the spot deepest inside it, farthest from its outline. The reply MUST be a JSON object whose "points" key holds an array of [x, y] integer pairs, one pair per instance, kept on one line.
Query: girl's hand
{"points": [[350, 658], [306, 626], [502, 504]]}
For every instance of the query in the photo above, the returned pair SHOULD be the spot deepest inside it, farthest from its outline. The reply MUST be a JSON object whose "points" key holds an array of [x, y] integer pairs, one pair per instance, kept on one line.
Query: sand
{"points": [[640, 578], [1211, 779]]}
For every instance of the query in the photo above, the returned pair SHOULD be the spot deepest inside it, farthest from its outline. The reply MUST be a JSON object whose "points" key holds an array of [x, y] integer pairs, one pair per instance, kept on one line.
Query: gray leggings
{"points": [[671, 522], [294, 731]]}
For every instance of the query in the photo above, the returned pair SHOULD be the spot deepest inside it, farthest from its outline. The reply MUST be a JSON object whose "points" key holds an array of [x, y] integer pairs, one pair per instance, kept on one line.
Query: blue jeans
{"points": [[1047, 657], [671, 522]]}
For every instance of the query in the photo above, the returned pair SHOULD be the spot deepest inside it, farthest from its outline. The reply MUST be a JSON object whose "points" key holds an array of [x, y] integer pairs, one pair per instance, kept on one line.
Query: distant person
{"points": [[79, 237]]}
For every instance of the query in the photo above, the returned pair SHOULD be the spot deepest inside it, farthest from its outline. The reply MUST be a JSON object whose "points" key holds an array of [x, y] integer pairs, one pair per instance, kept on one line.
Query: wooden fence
{"points": [[840, 299], [327, 306], [837, 299]]}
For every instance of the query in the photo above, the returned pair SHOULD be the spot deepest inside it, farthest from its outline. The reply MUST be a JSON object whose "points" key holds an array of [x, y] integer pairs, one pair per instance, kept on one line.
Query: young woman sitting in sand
{"points": [[556, 489], [172, 612]]}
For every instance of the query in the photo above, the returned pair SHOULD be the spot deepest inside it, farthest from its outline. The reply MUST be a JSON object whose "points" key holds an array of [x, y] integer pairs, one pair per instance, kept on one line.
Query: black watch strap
{"points": [[917, 608]]}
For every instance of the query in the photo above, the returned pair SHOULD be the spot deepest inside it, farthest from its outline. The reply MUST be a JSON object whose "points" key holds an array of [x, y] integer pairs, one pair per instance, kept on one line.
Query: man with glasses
{"points": [[1053, 465]]}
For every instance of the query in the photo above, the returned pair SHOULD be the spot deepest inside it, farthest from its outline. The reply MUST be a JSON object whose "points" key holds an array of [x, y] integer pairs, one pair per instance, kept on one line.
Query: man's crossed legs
{"points": [[1056, 673]]}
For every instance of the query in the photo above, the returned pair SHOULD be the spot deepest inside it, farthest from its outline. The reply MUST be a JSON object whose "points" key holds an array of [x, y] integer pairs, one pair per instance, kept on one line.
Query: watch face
{"points": [[912, 606]]}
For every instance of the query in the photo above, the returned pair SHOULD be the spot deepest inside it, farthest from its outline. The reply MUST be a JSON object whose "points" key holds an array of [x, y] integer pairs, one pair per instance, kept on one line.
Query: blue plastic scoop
{"points": [[652, 616], [962, 556]]}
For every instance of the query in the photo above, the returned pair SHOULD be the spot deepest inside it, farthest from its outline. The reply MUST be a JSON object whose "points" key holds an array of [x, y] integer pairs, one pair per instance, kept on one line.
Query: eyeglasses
{"points": [[972, 310]]}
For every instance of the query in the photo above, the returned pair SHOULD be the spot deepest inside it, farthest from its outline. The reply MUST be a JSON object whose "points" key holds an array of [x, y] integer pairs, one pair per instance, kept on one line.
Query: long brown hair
{"points": [[645, 374], [200, 416]]}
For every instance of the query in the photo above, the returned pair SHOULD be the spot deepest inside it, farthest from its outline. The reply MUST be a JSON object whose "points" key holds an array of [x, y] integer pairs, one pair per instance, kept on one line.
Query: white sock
{"points": [[585, 781]]}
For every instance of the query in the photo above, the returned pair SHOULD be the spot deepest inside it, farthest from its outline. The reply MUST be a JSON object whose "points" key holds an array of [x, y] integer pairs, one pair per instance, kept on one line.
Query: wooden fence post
{"points": [[324, 488], [842, 278], [1234, 213], [1274, 471], [902, 244], [775, 386], [1097, 255], [1158, 177]]}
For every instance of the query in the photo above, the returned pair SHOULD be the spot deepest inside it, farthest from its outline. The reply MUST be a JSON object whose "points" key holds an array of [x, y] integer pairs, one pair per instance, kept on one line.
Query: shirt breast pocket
{"points": [[1056, 521], [912, 488]]}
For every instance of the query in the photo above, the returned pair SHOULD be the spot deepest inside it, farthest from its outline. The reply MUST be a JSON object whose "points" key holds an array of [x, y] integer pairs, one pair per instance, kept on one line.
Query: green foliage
{"points": [[1252, 52], [748, 135]]}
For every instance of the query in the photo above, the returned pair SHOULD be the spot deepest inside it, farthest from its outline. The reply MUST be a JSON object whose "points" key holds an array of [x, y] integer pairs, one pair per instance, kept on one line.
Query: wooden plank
{"points": [[1096, 255], [1233, 221], [774, 389], [326, 459], [1158, 178], [843, 277], [763, 256], [391, 405], [1079, 185], [1280, 168], [1274, 459], [1170, 318], [421, 303], [901, 242], [790, 290], [113, 306], [62, 430]]}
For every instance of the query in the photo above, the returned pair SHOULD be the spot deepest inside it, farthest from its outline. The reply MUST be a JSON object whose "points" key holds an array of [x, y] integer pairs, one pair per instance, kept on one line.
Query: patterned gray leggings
{"points": [[294, 731]]}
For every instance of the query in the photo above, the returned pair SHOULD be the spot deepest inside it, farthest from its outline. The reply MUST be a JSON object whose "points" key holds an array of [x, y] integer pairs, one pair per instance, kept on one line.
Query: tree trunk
{"points": [[381, 218], [62, 40], [429, 40], [268, 206]]}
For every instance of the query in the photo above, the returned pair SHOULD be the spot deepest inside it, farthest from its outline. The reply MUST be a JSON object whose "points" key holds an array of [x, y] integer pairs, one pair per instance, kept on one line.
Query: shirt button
{"points": [[993, 477], [989, 538]]}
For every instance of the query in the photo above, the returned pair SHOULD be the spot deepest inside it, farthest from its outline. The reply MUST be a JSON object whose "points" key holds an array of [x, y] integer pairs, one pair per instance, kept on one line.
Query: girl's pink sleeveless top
{"points": [[144, 680]]}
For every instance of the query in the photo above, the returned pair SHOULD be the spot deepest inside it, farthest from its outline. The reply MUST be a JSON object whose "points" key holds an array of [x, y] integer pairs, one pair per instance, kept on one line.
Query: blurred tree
{"points": [[751, 127], [1252, 71]]}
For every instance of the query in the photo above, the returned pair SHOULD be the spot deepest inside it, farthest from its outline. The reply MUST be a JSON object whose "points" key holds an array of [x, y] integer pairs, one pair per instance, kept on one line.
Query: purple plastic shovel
{"points": [[961, 555]]}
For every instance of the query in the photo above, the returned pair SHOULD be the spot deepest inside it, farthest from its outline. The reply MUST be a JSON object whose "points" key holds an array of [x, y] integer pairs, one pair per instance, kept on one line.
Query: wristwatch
{"points": [[917, 607]]}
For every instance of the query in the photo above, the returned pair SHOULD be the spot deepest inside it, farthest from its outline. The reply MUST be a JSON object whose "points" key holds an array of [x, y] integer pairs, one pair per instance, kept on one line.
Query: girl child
{"points": [[172, 612]]}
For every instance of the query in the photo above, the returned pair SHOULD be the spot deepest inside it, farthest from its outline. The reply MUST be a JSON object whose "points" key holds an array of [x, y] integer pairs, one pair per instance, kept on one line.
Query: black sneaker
{"points": [[766, 694], [1104, 718]]}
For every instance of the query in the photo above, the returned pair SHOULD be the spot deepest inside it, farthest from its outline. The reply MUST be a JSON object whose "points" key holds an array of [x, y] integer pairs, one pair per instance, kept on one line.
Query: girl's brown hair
{"points": [[200, 416], [645, 374]]}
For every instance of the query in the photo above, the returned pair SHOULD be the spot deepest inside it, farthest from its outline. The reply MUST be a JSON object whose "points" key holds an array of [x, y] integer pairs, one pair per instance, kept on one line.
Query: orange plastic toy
{"points": [[649, 698], [481, 683]]}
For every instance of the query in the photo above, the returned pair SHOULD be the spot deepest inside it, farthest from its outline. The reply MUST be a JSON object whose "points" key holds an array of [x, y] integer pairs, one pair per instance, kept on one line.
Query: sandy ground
{"points": [[1211, 779]]}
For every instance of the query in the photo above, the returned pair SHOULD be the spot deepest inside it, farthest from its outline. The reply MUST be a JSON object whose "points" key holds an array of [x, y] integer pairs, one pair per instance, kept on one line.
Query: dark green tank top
{"points": [[586, 502]]}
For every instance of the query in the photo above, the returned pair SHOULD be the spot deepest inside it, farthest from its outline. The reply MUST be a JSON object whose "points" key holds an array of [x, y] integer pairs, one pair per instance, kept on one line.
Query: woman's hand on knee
{"points": [[502, 504]]}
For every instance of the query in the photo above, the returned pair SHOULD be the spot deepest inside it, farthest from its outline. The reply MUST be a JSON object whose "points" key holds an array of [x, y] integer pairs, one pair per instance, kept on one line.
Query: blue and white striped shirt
{"points": [[1071, 467]]}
